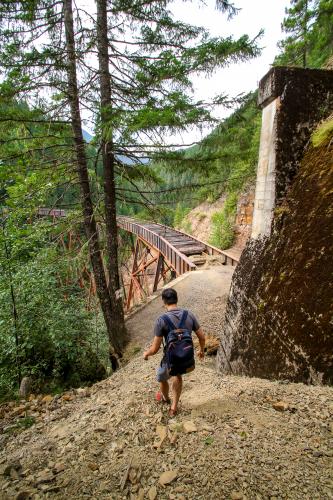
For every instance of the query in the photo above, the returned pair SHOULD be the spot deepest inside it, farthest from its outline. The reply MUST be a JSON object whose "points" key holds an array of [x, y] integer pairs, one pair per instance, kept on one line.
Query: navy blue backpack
{"points": [[179, 350]]}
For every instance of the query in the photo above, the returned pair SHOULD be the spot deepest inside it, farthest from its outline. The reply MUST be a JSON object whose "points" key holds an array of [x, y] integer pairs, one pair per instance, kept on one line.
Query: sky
{"points": [[241, 77], [253, 16]]}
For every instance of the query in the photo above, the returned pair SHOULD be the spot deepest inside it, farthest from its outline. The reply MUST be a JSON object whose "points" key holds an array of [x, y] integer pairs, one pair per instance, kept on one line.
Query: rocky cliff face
{"points": [[244, 216], [279, 315], [200, 218]]}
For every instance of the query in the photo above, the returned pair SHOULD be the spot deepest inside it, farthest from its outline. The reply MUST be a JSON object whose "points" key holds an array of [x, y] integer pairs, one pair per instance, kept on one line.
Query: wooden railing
{"points": [[229, 257], [178, 261], [52, 212]]}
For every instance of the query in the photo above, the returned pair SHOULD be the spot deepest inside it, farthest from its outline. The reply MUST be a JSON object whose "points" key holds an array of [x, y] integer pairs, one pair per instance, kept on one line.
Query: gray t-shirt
{"points": [[161, 328]]}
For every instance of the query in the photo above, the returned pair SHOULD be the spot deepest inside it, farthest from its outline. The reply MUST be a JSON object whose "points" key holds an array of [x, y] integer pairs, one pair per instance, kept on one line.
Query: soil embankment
{"points": [[234, 438]]}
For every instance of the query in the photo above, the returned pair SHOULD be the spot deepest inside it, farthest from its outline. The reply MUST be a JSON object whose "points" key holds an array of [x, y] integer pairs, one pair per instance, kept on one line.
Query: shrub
{"points": [[222, 235], [186, 226], [179, 215], [51, 338]]}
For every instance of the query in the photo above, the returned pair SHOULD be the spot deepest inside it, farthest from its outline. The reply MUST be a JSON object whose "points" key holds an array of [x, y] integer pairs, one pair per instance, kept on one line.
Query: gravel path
{"points": [[235, 438], [228, 442], [205, 292]]}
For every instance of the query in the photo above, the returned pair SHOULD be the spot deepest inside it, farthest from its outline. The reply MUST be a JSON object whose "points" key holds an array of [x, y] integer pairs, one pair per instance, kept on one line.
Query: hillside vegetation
{"points": [[223, 163], [228, 156]]}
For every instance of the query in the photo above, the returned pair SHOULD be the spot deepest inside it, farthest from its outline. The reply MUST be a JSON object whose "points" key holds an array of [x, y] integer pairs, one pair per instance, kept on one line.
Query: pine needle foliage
{"points": [[309, 28], [150, 57]]}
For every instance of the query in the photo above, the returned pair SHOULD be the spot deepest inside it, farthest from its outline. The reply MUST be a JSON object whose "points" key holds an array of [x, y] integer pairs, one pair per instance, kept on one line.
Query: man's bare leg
{"points": [[177, 385], [165, 390]]}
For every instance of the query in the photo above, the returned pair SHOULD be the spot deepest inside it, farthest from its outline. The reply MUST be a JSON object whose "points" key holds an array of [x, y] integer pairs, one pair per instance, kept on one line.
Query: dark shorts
{"points": [[163, 373]]}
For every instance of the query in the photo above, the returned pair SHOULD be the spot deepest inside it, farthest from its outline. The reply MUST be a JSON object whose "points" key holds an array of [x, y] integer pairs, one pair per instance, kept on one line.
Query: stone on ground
{"points": [[241, 445], [102, 446]]}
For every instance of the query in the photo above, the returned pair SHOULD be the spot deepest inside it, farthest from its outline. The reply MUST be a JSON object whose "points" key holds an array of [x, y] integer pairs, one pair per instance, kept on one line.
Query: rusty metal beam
{"points": [[179, 262], [134, 267], [167, 246], [158, 274]]}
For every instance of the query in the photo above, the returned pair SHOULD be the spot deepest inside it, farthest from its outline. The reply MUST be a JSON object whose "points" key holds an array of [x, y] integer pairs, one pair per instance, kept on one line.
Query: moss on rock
{"points": [[279, 315]]}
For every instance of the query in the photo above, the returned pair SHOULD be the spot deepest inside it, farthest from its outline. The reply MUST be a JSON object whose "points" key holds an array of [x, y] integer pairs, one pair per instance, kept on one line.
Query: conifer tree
{"points": [[128, 69], [297, 24], [309, 26]]}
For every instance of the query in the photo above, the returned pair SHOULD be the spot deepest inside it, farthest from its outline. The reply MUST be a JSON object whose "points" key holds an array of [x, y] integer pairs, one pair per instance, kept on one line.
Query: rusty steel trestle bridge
{"points": [[164, 248]]}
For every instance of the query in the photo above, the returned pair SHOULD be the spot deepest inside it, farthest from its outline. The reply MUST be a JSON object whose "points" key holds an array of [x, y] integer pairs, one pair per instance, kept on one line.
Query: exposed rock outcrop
{"points": [[200, 217], [244, 216], [279, 315]]}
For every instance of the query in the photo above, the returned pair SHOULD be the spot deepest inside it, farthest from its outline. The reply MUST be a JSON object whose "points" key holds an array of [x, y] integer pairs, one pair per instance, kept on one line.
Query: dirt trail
{"points": [[114, 441], [242, 447], [205, 292]]}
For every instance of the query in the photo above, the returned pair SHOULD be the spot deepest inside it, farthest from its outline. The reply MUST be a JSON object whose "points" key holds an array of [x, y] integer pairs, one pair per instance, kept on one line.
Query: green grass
{"points": [[26, 422], [322, 133], [209, 440]]}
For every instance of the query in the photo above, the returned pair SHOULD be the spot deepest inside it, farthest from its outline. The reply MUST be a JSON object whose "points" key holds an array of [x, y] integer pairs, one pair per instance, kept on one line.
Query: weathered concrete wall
{"points": [[278, 322], [293, 101], [264, 201]]}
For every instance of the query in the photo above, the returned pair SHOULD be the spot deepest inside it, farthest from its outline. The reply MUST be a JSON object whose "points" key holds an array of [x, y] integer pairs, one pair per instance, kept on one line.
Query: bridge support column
{"points": [[293, 100], [142, 284], [143, 259], [274, 327]]}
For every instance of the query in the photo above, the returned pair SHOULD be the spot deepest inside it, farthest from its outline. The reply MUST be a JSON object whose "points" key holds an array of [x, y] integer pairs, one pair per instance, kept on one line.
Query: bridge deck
{"points": [[176, 246], [160, 252], [183, 243]]}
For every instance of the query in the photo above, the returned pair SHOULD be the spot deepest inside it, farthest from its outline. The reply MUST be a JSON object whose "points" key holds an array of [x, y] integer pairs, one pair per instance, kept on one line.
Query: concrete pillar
{"points": [[287, 122], [264, 201]]}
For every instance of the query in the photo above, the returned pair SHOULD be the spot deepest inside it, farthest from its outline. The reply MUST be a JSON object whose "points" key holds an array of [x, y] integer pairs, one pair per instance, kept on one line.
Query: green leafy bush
{"points": [[179, 215], [51, 336], [222, 235]]}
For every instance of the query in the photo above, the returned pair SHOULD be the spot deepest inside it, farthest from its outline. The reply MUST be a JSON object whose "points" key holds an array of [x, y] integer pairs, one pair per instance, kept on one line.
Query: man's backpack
{"points": [[179, 350]]}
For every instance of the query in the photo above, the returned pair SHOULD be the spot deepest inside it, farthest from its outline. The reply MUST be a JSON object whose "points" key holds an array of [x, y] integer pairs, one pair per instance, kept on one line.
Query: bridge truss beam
{"points": [[144, 278]]}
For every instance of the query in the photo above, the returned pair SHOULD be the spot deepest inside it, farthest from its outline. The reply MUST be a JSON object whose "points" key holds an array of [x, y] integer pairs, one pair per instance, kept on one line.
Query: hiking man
{"points": [[175, 329]]}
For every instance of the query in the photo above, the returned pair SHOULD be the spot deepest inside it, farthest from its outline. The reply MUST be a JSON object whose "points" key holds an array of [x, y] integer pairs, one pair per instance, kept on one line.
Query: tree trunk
{"points": [[14, 310], [109, 173], [305, 34], [86, 198]]}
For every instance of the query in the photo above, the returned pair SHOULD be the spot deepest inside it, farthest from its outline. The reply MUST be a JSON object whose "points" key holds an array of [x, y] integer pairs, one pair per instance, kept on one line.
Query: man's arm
{"points": [[154, 348], [201, 337]]}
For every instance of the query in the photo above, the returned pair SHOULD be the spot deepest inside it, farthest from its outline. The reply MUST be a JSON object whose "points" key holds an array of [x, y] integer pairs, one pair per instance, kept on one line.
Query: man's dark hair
{"points": [[169, 296]]}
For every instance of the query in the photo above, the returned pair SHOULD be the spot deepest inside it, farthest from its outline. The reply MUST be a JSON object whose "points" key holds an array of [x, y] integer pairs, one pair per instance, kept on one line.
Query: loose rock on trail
{"points": [[235, 438], [230, 441]]}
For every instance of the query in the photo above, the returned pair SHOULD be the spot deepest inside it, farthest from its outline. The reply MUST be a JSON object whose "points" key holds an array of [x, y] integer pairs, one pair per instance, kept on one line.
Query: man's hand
{"points": [[201, 337], [153, 349], [201, 354]]}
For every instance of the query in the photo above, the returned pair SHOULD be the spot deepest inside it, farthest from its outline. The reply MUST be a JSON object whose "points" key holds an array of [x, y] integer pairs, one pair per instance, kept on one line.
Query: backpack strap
{"points": [[171, 325], [183, 319], [168, 321]]}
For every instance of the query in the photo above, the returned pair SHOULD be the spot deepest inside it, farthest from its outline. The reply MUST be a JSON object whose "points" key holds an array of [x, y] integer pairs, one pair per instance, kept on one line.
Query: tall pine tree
{"points": [[309, 26], [127, 68]]}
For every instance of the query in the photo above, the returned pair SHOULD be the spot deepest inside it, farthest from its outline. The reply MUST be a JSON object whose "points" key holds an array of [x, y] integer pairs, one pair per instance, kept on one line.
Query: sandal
{"points": [[172, 413], [160, 398]]}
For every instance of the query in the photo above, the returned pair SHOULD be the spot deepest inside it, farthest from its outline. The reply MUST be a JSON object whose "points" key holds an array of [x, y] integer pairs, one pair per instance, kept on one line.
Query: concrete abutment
{"points": [[278, 316]]}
